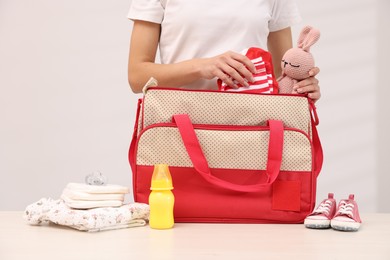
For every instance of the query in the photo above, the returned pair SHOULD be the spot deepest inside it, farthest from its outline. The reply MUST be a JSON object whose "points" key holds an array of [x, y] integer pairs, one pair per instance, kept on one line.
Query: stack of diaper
{"points": [[85, 196]]}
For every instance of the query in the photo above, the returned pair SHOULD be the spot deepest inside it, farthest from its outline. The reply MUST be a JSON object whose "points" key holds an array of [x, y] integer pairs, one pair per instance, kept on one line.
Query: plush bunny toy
{"points": [[297, 62]]}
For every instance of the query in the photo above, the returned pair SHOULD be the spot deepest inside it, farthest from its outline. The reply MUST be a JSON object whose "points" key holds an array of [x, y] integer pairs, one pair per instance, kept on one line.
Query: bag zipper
{"points": [[217, 127]]}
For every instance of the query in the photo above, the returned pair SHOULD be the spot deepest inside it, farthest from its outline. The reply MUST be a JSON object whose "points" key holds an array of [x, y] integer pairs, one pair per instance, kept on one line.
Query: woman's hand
{"points": [[310, 85], [230, 67]]}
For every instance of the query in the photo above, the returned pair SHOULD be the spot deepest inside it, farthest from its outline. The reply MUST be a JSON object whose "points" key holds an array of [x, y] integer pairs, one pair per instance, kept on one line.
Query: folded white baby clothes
{"points": [[85, 196], [90, 204], [81, 195], [99, 219], [98, 189]]}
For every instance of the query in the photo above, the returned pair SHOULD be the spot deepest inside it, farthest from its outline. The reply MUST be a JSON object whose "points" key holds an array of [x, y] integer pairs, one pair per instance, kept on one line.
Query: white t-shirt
{"points": [[206, 28]]}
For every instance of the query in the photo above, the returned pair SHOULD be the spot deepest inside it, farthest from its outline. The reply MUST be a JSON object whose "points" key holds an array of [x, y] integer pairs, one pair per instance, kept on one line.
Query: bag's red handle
{"points": [[191, 143]]}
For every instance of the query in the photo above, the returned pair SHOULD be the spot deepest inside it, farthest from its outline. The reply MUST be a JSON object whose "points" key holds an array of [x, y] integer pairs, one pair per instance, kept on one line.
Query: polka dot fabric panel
{"points": [[224, 149], [226, 108]]}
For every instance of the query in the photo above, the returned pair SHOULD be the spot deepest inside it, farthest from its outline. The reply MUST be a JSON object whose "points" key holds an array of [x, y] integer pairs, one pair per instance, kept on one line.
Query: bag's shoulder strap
{"points": [[318, 152], [131, 154]]}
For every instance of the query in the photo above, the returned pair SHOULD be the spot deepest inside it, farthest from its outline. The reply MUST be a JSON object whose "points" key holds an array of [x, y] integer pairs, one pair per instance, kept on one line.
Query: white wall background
{"points": [[66, 109]]}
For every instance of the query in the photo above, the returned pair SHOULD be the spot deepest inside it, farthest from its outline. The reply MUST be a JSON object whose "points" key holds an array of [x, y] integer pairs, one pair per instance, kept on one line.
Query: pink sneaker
{"points": [[347, 216], [321, 216]]}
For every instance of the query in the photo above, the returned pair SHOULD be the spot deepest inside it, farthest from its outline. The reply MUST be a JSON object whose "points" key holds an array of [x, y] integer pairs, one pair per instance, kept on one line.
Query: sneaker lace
{"points": [[346, 209], [324, 207]]}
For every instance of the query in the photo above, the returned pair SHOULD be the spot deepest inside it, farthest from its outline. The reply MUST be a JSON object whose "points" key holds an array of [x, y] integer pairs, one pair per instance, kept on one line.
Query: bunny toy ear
{"points": [[308, 37]]}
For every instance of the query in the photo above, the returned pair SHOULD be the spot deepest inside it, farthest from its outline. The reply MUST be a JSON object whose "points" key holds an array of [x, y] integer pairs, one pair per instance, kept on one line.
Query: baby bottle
{"points": [[161, 198]]}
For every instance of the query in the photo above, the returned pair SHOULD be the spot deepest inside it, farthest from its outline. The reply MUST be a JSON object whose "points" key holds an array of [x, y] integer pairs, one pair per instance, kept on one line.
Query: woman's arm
{"points": [[278, 43], [144, 42]]}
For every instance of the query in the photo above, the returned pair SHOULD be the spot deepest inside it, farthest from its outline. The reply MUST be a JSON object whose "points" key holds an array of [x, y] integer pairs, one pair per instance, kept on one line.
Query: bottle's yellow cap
{"points": [[161, 178]]}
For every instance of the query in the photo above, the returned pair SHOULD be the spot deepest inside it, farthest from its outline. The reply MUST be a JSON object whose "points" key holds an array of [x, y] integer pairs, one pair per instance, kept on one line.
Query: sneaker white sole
{"points": [[317, 223], [345, 226]]}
